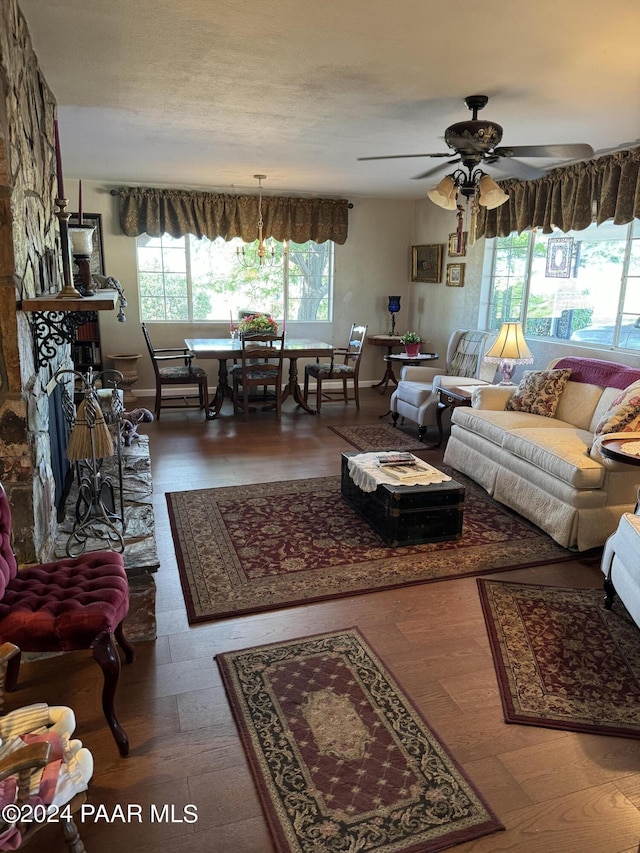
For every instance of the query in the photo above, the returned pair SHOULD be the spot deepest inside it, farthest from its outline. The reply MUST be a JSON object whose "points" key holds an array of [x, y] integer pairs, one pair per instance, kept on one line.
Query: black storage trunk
{"points": [[407, 515]]}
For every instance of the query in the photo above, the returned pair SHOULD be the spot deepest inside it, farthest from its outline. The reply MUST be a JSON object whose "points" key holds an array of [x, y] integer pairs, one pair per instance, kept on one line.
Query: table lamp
{"points": [[394, 307], [509, 349]]}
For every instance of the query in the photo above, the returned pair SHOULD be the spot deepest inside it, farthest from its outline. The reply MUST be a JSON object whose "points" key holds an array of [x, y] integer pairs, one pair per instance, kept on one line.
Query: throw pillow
{"points": [[623, 415], [539, 392]]}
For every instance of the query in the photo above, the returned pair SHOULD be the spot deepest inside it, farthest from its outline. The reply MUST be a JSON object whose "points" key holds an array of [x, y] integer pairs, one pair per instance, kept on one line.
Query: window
{"points": [[187, 280], [582, 286]]}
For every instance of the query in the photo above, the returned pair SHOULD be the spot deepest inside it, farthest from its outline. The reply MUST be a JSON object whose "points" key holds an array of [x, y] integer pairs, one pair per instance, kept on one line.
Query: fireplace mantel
{"points": [[103, 300]]}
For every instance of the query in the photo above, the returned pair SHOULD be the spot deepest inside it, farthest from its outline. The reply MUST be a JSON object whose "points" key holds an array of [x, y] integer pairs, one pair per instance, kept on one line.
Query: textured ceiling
{"points": [[205, 94]]}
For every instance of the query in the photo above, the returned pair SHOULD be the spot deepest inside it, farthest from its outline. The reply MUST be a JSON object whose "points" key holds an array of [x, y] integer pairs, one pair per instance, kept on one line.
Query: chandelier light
{"points": [[265, 255], [474, 185]]}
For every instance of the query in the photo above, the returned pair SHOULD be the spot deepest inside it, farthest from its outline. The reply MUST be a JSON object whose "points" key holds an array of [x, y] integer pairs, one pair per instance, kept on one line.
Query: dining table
{"points": [[224, 349]]}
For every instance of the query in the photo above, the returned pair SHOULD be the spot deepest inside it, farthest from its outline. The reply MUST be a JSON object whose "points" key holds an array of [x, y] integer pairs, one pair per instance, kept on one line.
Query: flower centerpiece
{"points": [[257, 323], [411, 341]]}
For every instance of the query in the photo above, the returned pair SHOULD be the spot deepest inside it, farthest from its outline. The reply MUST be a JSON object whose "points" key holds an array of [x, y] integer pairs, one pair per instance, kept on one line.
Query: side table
{"points": [[451, 398], [388, 341], [611, 448]]}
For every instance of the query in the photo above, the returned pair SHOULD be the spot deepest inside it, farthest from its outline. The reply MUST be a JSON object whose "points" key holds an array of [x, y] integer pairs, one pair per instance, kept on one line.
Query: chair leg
{"points": [[245, 401], [108, 659], [305, 392], [11, 676], [356, 393], [72, 837], [345, 393], [125, 645], [158, 401], [318, 394]]}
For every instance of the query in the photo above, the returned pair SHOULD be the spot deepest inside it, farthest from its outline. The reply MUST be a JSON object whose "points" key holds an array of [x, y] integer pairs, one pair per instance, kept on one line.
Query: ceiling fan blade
{"points": [[435, 169], [565, 151], [515, 169], [402, 156]]}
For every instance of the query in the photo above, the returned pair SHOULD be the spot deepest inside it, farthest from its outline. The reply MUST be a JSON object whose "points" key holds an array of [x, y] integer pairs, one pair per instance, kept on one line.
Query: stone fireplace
{"points": [[29, 266]]}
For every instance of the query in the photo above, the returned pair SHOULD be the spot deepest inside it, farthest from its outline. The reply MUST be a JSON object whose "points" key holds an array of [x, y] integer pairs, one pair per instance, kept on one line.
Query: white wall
{"points": [[372, 264]]}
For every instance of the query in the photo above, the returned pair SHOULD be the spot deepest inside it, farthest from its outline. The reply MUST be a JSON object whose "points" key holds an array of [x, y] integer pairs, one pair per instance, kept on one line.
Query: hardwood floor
{"points": [[553, 790]]}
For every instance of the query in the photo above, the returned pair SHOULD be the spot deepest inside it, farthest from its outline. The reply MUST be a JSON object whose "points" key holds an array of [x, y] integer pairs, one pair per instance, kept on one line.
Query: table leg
{"points": [[223, 390], [389, 375], [293, 388]]}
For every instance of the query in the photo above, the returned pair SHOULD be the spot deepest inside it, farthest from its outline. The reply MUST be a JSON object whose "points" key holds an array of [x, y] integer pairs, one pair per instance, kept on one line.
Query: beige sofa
{"points": [[549, 469]]}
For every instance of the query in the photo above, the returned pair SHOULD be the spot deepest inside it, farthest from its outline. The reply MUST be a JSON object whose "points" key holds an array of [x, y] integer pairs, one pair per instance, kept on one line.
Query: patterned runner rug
{"points": [[241, 549], [341, 759], [562, 660], [378, 437]]}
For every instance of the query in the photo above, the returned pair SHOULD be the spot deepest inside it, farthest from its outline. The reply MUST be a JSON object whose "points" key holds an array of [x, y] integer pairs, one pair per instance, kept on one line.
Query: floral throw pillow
{"points": [[623, 415], [539, 392]]}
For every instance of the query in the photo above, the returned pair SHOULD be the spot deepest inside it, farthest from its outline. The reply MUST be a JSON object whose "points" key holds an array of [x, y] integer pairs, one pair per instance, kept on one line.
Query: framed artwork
{"points": [[96, 262], [559, 257], [455, 275], [426, 263], [453, 243]]}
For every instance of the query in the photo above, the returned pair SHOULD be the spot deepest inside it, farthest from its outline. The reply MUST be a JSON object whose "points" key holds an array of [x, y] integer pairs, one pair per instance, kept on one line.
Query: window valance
{"points": [[566, 198], [204, 214]]}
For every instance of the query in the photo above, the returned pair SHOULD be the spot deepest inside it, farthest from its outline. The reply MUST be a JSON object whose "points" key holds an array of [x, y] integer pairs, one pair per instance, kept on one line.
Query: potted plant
{"points": [[258, 323], [411, 341]]}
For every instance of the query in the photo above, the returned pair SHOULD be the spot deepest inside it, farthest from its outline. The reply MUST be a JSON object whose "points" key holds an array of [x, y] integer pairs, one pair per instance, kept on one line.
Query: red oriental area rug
{"points": [[562, 660], [341, 759], [243, 549]]}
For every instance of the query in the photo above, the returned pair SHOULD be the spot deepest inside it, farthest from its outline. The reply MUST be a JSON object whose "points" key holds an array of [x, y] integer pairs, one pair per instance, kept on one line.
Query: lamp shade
{"points": [[394, 304], [510, 345], [490, 194], [445, 194]]}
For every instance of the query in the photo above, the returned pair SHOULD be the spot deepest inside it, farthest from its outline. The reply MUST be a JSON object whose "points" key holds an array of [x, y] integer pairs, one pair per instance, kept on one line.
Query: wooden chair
{"points": [[349, 368], [262, 357], [24, 761], [175, 374], [72, 603]]}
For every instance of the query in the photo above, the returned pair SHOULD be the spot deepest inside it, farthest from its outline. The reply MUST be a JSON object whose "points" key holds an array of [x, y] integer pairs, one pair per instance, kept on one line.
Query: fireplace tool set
{"points": [[91, 441]]}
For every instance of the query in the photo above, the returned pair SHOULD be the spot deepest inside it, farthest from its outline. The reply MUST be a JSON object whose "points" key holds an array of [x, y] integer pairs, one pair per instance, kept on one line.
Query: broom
{"points": [[90, 437]]}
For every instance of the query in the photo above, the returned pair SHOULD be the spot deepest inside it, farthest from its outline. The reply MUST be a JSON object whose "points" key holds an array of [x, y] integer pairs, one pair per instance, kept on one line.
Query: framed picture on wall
{"points": [[455, 275], [96, 261], [453, 245], [426, 263]]}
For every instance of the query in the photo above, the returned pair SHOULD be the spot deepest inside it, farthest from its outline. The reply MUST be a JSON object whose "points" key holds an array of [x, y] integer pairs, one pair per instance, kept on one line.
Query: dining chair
{"points": [[347, 368], [261, 366], [70, 604], [175, 374]]}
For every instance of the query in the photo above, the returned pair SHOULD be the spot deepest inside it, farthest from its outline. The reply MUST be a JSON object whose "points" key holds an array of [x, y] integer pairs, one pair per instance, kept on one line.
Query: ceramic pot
{"points": [[127, 364], [412, 350]]}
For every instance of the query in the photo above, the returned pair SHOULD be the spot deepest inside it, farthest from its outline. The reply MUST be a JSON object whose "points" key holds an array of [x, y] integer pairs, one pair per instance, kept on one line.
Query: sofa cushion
{"points": [[623, 414], [494, 425], [539, 392], [562, 453]]}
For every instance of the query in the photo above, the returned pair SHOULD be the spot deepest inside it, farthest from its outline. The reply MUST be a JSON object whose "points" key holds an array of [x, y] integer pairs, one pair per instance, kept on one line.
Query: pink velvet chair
{"points": [[73, 603]]}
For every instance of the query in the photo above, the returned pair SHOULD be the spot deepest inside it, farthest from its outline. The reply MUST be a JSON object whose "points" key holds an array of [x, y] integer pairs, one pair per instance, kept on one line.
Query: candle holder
{"points": [[394, 307], [68, 291], [81, 249]]}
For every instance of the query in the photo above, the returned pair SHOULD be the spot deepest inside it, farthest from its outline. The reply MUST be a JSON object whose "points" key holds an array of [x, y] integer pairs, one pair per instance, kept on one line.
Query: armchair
{"points": [[417, 394], [70, 604]]}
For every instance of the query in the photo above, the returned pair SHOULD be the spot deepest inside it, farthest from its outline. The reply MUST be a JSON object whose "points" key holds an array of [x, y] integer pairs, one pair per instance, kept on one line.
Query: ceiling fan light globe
{"points": [[445, 194], [490, 194]]}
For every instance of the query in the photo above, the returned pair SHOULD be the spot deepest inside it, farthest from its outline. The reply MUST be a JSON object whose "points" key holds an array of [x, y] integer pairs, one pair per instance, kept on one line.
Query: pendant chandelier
{"points": [[265, 254], [474, 185]]}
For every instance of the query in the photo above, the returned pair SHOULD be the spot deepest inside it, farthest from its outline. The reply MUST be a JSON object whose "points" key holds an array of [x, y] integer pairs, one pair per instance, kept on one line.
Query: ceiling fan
{"points": [[477, 142]]}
